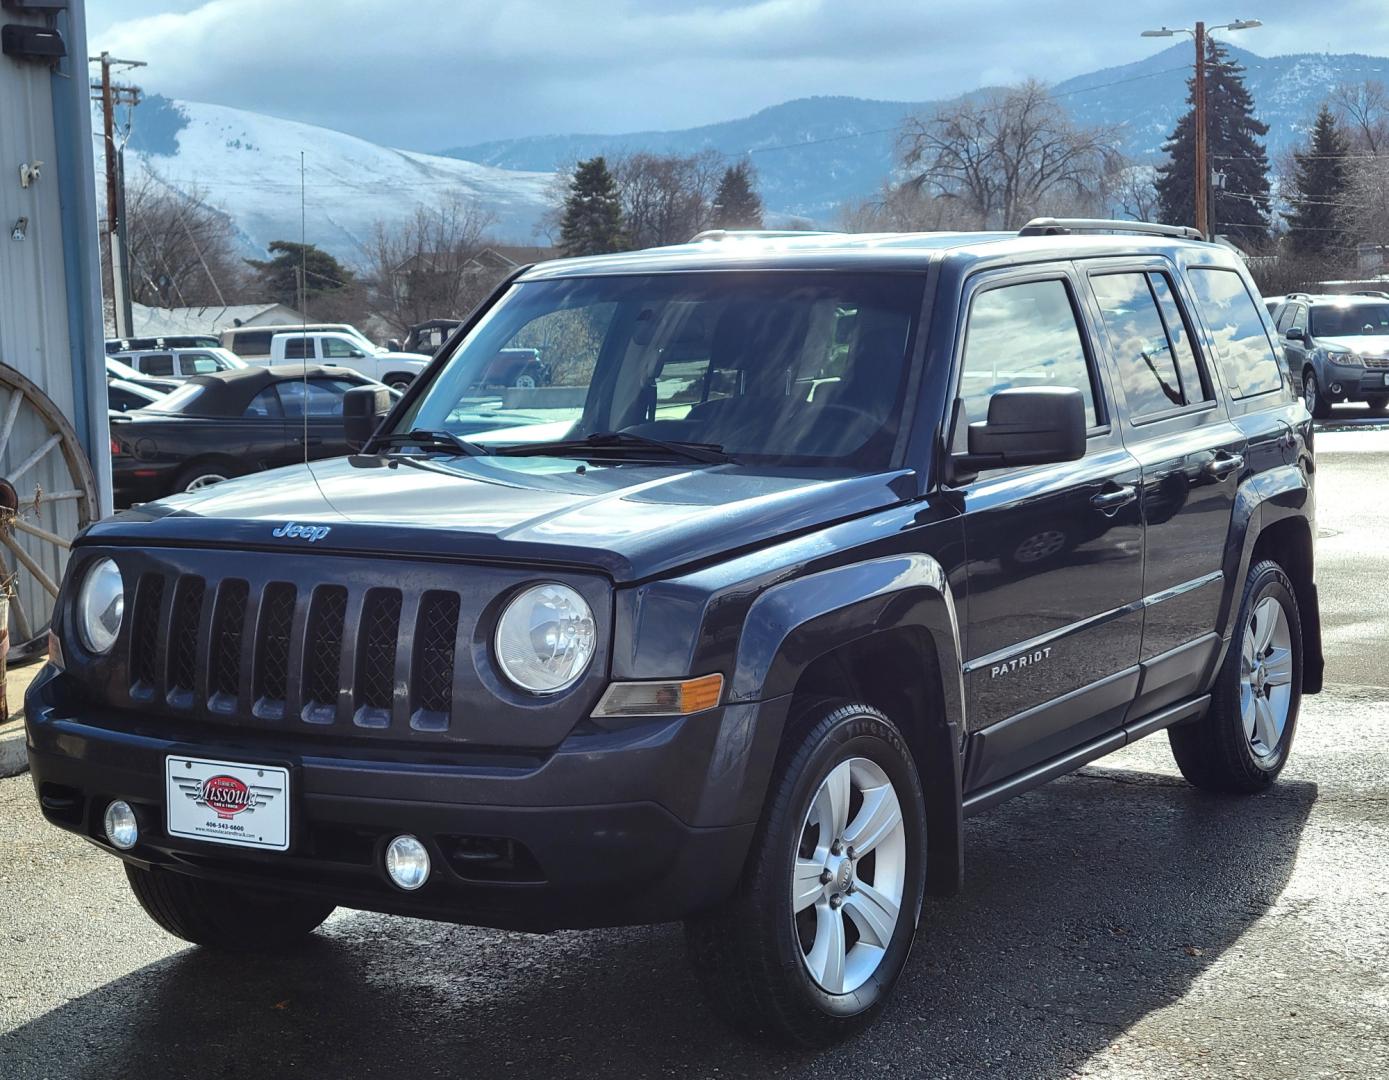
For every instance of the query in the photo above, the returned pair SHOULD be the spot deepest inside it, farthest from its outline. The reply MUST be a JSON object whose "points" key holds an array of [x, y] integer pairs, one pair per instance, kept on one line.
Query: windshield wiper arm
{"points": [[706, 453], [432, 440]]}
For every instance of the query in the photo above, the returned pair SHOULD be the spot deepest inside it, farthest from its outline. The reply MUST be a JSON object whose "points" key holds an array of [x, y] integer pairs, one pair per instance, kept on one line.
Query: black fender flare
{"points": [[791, 625], [1265, 499]]}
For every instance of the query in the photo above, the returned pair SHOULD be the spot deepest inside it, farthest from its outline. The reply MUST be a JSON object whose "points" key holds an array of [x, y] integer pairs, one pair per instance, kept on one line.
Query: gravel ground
{"points": [[1116, 923]]}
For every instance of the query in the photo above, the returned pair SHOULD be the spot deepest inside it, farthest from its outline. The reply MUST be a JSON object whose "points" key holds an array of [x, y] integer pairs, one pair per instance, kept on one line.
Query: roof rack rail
{"points": [[755, 234], [1047, 226], [1298, 296], [1372, 292]]}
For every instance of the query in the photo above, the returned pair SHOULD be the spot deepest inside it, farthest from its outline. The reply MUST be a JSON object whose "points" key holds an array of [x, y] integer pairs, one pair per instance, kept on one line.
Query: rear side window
{"points": [[157, 364], [200, 364], [1149, 342], [251, 343], [265, 405], [299, 348], [1022, 335], [1246, 354]]}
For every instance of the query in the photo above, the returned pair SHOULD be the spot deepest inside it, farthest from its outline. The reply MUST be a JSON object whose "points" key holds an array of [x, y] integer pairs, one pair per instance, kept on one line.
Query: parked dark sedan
{"points": [[226, 424]]}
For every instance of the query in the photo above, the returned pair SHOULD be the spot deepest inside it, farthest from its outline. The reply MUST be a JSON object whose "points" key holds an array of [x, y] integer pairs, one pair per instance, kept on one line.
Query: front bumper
{"points": [[1356, 383], [646, 824]]}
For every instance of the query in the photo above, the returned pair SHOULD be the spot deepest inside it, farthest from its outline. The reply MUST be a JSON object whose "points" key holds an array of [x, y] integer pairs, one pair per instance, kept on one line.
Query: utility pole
{"points": [[1203, 172], [110, 95]]}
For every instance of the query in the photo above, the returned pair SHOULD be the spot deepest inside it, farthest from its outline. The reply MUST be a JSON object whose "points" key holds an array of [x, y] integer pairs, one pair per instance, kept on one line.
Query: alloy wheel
{"points": [[1309, 391], [1266, 675], [204, 480], [849, 876]]}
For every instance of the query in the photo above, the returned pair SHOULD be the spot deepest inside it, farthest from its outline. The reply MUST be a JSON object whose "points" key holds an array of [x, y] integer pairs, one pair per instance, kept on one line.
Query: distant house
{"points": [[167, 322], [1372, 260]]}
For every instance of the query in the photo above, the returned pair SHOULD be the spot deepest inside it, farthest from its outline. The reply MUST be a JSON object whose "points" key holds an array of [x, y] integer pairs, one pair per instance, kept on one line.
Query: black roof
{"points": [[227, 393], [876, 251]]}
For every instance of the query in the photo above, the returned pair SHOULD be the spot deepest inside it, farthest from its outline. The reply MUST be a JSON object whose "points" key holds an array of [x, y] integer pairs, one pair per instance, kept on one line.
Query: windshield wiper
{"points": [[432, 440], [706, 453]]}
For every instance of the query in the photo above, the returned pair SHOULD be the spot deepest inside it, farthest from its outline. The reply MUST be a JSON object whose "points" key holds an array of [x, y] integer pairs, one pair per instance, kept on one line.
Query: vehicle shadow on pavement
{"points": [[1087, 905]]}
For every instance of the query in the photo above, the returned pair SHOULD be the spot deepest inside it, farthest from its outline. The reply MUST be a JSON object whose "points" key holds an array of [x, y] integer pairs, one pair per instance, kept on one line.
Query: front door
{"points": [[1054, 552]]}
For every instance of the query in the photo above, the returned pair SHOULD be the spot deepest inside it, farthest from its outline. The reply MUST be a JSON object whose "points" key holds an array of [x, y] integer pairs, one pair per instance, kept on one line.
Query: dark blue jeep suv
{"points": [[808, 549]]}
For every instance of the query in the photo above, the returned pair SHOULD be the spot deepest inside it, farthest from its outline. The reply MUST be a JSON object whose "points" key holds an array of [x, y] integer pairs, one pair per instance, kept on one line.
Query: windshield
{"points": [[177, 401], [1350, 320], [800, 368]]}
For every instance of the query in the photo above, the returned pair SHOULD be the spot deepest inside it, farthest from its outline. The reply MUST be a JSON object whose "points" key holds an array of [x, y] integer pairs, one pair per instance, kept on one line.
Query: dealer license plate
{"points": [[224, 802]]}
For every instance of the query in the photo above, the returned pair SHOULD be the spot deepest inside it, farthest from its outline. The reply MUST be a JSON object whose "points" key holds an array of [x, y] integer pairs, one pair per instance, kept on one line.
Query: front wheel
{"points": [[1243, 741], [224, 916], [812, 942], [1312, 397]]}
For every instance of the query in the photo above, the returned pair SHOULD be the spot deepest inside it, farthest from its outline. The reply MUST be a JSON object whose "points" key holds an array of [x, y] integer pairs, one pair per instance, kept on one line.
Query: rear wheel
{"points": [[813, 941], [223, 916], [1312, 396], [399, 381], [1243, 741], [201, 475]]}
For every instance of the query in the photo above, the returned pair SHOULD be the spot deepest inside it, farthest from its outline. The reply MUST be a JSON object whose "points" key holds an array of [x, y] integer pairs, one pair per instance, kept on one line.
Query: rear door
{"points": [[1054, 552], [1192, 458]]}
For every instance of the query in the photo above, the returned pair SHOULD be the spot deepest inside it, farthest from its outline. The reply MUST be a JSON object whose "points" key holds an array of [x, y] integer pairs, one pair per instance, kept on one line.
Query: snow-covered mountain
{"points": [[813, 154], [247, 164]]}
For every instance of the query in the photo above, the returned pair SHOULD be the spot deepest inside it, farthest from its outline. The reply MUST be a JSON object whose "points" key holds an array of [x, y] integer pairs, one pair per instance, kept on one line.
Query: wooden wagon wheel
{"points": [[47, 494]]}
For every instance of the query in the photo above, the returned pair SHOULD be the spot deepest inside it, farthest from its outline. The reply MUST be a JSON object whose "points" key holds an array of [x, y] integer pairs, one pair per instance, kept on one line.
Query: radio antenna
{"points": [[304, 304]]}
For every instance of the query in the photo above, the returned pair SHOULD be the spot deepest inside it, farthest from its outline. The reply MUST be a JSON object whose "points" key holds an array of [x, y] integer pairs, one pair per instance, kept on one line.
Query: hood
{"points": [[630, 521], [1364, 344], [407, 357]]}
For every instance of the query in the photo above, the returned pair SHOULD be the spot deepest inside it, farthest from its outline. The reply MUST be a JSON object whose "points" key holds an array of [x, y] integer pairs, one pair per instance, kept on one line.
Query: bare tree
{"points": [[426, 266], [1362, 109], [903, 208], [1132, 192], [667, 198], [182, 251], [1006, 155]]}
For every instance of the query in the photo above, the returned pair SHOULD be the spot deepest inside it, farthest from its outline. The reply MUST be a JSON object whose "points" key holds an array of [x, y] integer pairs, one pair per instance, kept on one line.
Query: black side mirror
{"points": [[1296, 334], [1034, 425], [363, 409]]}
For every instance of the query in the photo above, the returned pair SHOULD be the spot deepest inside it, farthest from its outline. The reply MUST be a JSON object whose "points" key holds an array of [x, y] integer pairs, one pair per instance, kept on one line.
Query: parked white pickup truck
{"points": [[395, 369]]}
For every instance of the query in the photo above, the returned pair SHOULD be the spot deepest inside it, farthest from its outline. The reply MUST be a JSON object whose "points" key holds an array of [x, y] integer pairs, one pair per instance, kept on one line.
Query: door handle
{"points": [[1109, 502], [1224, 464]]}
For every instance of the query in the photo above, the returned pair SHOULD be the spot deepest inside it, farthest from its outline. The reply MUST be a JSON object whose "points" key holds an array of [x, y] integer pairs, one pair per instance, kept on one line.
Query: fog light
{"points": [[407, 862], [1335, 388], [121, 827]]}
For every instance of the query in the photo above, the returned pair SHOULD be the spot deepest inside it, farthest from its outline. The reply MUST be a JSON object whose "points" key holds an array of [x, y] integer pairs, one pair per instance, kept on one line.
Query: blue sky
{"points": [[427, 74]]}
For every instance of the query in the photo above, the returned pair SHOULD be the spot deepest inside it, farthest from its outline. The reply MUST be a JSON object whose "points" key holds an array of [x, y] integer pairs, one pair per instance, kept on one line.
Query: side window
{"points": [[265, 405], [1196, 382], [299, 348], [1246, 354], [157, 364], [1022, 335], [1285, 317], [321, 398], [1299, 318], [251, 343], [337, 349], [1142, 352], [199, 364]]}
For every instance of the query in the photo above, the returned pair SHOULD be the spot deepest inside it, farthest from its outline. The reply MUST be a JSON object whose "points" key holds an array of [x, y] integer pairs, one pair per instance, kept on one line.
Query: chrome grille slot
{"points": [[1377, 363], [376, 651]]}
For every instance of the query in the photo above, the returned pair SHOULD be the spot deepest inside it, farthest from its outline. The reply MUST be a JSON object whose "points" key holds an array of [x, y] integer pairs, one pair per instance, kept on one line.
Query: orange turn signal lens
{"points": [[675, 698]]}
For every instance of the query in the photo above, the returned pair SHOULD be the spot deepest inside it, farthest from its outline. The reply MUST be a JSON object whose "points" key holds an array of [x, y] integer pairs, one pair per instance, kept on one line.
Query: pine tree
{"points": [[1240, 207], [592, 223], [737, 204], [1320, 183], [279, 275]]}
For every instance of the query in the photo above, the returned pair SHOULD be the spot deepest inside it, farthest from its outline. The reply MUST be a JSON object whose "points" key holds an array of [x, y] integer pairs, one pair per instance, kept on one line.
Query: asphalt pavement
{"points": [[1116, 923]]}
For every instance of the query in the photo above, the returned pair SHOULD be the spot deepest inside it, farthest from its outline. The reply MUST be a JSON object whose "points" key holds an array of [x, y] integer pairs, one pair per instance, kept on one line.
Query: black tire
{"points": [[399, 380], [748, 953], [1215, 753], [201, 470], [1312, 395], [1378, 403], [222, 916]]}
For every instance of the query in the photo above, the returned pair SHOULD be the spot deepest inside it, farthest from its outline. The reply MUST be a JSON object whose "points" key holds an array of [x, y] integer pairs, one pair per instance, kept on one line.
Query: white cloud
{"points": [[433, 73]]}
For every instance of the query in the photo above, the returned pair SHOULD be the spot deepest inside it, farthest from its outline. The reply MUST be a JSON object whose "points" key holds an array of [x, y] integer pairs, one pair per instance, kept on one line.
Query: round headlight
{"points": [[101, 606], [545, 638]]}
